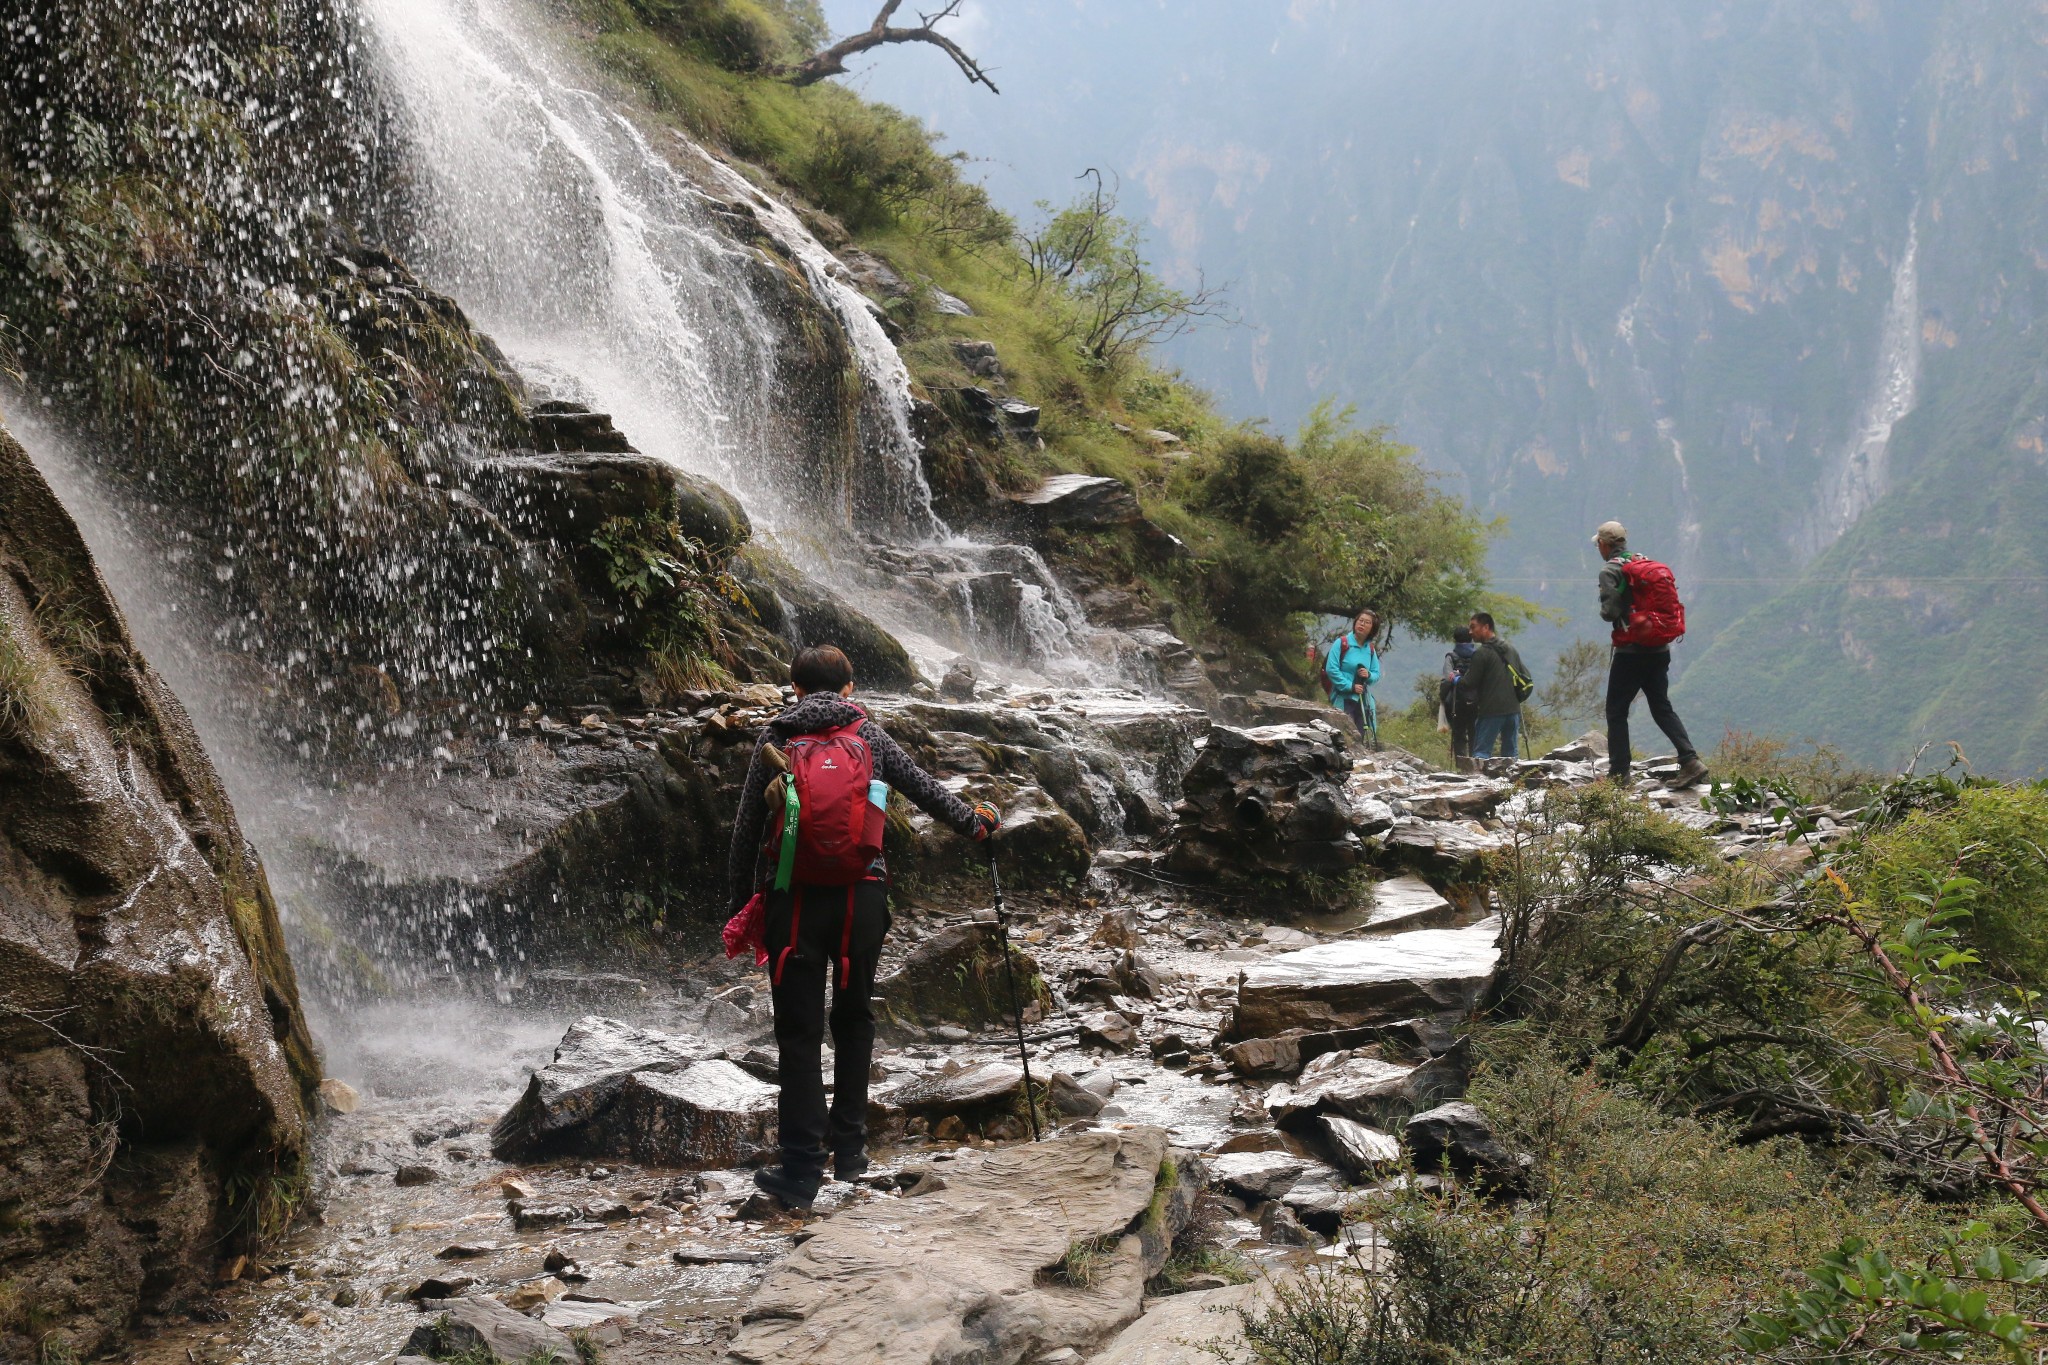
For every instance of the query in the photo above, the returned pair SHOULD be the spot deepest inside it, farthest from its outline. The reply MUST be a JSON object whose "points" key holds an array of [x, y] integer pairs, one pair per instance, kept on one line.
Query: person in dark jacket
{"points": [[832, 922], [1637, 669], [1460, 715], [1488, 689]]}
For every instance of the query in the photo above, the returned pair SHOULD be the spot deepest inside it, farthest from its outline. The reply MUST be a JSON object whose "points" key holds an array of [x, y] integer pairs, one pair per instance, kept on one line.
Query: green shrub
{"points": [[1822, 775], [1252, 481], [1999, 836], [739, 35], [1645, 1237], [868, 164]]}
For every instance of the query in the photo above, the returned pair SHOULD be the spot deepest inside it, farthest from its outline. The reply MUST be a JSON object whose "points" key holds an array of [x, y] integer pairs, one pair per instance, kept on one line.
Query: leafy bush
{"points": [[1646, 1237], [1996, 835], [1342, 519], [1820, 776], [740, 35]]}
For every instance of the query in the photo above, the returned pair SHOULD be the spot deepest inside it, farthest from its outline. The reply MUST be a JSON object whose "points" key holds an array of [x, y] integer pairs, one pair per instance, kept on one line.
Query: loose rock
{"points": [[479, 1325], [1364, 1151]]}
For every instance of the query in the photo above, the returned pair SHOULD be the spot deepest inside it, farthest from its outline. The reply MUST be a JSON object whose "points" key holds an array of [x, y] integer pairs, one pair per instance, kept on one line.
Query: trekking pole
{"points": [[1016, 1005]]}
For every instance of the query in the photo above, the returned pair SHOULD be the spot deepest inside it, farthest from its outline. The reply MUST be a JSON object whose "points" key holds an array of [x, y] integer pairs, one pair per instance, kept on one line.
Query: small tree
{"points": [[1573, 696], [1092, 259]]}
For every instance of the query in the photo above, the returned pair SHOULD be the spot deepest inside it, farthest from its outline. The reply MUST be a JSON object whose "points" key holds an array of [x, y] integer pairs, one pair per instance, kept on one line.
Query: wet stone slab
{"points": [[1368, 981]]}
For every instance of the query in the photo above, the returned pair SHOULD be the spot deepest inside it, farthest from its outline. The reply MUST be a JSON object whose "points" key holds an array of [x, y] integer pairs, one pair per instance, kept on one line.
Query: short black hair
{"points": [[1461, 636], [1483, 618], [821, 668]]}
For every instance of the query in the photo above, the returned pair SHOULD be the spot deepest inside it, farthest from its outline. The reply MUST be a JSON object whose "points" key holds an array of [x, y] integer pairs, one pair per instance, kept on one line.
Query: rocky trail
{"points": [[568, 1157]]}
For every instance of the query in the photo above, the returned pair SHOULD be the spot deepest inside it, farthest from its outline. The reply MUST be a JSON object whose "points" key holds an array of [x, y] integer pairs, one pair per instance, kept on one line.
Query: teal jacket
{"points": [[1341, 669]]}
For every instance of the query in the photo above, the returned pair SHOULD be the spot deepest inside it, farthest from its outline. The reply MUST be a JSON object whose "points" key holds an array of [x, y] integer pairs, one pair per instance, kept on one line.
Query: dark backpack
{"points": [[1656, 617], [829, 794]]}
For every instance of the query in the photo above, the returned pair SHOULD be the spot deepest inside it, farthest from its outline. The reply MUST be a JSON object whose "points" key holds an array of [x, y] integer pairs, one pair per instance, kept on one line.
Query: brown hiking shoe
{"points": [[1690, 774]]}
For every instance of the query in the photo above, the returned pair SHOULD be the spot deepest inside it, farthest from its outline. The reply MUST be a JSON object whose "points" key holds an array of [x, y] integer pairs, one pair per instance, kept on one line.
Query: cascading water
{"points": [[599, 260]]}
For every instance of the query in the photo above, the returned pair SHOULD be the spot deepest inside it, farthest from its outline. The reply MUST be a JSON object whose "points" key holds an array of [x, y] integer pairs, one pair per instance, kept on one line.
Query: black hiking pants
{"points": [[1650, 676], [837, 941], [1463, 721]]}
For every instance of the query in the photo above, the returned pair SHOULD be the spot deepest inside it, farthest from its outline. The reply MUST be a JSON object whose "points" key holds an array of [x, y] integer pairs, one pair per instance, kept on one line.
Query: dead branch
{"points": [[1628, 1037], [831, 61], [2002, 1171]]}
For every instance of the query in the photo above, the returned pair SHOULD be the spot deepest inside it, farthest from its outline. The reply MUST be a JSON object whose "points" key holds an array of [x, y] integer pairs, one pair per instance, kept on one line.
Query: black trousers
{"points": [[1463, 719], [837, 941], [1649, 675]]}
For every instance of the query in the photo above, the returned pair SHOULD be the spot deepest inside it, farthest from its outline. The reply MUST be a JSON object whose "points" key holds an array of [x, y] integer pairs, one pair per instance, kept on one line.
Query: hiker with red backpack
{"points": [[1639, 598], [806, 859]]}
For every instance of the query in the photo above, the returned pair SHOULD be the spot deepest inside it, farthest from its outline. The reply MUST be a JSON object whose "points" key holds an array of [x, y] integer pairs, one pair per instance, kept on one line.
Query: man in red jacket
{"points": [[1637, 668]]}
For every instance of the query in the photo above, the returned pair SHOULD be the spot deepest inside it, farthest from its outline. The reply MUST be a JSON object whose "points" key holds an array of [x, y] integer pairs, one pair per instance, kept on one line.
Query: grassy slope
{"points": [[666, 66]]}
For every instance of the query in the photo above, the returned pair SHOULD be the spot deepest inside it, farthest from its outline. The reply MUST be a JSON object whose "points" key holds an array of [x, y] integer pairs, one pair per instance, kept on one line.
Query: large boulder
{"points": [[1357, 982], [153, 1057], [972, 1271], [479, 1329], [1457, 1135], [1081, 500], [618, 1091], [803, 612], [1265, 809], [957, 977], [1355, 1085]]}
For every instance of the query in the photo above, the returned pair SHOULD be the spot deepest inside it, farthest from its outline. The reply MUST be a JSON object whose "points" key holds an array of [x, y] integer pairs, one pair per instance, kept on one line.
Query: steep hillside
{"points": [[1923, 622], [1685, 265]]}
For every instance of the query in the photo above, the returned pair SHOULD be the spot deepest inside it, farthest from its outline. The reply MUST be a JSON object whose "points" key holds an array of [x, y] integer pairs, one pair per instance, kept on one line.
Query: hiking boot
{"points": [[796, 1191], [849, 1166], [1690, 774]]}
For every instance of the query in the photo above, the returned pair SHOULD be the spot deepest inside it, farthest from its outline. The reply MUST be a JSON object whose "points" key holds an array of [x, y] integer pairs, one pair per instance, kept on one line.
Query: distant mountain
{"points": [[1762, 278]]}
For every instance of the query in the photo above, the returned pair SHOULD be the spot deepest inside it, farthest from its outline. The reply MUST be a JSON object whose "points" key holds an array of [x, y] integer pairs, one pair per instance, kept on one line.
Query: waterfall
{"points": [[1859, 473], [605, 273], [600, 258]]}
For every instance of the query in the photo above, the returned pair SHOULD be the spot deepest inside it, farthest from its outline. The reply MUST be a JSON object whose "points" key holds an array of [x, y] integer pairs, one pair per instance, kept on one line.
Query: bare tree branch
{"points": [[831, 61]]}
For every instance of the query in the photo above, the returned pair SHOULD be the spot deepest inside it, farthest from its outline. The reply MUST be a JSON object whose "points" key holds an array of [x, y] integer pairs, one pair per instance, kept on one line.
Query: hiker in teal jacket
{"points": [[1351, 668]]}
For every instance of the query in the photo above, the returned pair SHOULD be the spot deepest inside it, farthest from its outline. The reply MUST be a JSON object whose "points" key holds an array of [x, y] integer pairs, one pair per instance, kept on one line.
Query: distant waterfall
{"points": [[1860, 472]]}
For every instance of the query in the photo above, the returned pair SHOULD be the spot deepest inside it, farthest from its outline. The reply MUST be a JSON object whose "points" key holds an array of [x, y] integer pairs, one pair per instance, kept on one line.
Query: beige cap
{"points": [[1610, 530]]}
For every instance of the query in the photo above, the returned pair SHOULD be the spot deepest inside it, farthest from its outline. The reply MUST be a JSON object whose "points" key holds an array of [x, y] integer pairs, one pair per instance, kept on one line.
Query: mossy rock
{"points": [[956, 977]]}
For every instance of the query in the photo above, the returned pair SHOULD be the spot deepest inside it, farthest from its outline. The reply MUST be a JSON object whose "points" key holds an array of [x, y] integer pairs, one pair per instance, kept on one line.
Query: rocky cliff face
{"points": [[154, 1066]]}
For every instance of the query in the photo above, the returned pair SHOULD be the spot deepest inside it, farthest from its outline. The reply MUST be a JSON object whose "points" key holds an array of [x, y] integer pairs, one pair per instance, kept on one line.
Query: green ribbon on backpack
{"points": [[785, 865]]}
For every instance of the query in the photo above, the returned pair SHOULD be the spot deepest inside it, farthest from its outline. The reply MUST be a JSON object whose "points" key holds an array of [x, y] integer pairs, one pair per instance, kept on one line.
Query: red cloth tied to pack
{"points": [[749, 929]]}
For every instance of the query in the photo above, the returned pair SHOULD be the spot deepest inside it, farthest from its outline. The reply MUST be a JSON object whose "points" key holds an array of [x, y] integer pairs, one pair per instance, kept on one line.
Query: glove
{"points": [[987, 820]]}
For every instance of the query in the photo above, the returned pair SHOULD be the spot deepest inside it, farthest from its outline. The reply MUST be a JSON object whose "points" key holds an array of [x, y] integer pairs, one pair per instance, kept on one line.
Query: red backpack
{"points": [[838, 823], [1655, 615]]}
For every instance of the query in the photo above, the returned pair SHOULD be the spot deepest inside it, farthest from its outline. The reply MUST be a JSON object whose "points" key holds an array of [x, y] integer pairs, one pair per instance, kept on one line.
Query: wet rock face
{"points": [[141, 962], [1267, 808], [1081, 500], [619, 1091]]}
